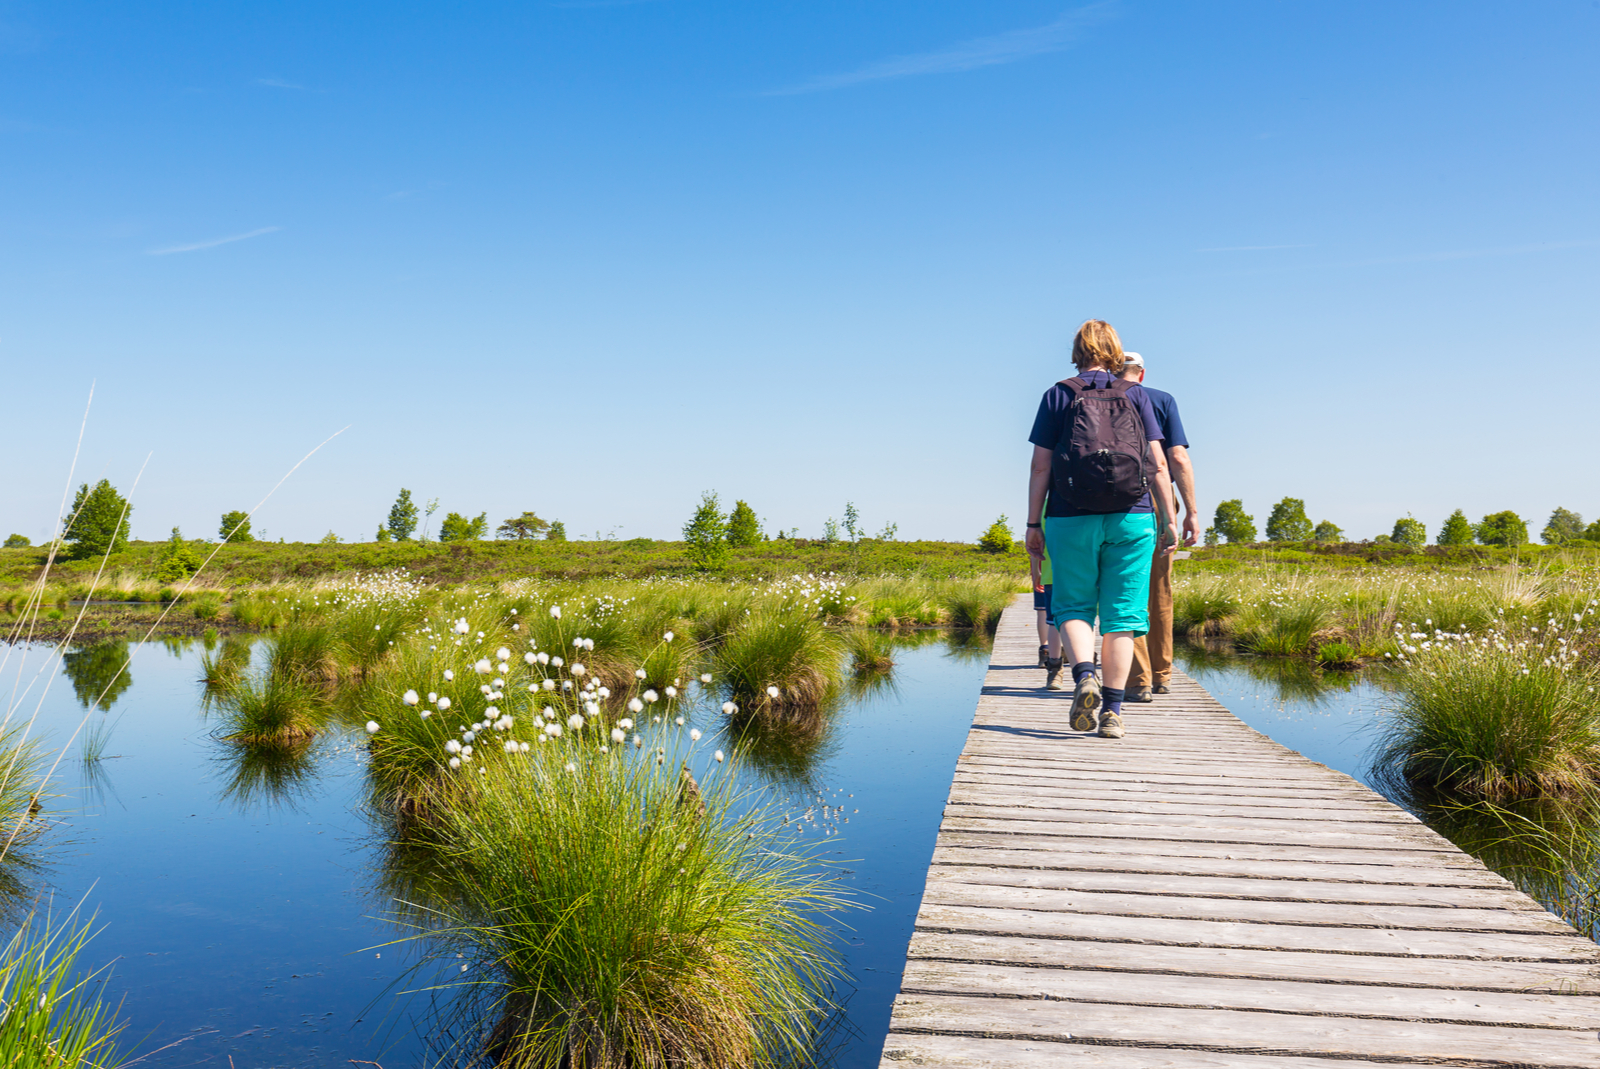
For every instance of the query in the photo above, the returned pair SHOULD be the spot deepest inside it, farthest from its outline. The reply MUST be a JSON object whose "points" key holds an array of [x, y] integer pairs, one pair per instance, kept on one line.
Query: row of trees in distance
{"points": [[1290, 523]]}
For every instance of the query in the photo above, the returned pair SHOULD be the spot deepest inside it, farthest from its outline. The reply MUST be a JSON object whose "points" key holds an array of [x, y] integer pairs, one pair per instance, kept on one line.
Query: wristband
{"points": [[1036, 526]]}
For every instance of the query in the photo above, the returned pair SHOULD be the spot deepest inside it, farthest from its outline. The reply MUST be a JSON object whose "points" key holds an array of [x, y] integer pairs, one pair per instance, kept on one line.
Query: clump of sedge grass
{"points": [[1495, 718], [978, 602], [791, 653], [272, 709], [52, 1018], [610, 924], [870, 653]]}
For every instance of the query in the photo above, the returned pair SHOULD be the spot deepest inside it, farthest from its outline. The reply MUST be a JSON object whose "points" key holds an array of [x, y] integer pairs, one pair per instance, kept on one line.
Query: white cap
{"points": [[1132, 360]]}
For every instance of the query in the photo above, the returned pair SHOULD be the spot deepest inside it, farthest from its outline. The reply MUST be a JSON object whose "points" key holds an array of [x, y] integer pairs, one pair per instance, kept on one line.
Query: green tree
{"points": [[1211, 536], [528, 525], [99, 673], [1327, 531], [1233, 523], [830, 531], [98, 523], [383, 533], [852, 521], [1502, 529], [997, 539], [235, 527], [1564, 524], [402, 517], [1289, 522], [743, 527], [178, 560], [889, 531], [1409, 531], [706, 533], [557, 532], [1592, 532], [1456, 531], [17, 541], [330, 539], [457, 528]]}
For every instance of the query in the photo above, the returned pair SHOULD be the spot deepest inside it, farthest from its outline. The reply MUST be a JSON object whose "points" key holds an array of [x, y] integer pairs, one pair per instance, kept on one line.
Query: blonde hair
{"points": [[1097, 346]]}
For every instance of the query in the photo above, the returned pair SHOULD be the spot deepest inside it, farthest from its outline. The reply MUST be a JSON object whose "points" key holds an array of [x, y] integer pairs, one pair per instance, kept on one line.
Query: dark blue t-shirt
{"points": [[1051, 419], [1166, 409]]}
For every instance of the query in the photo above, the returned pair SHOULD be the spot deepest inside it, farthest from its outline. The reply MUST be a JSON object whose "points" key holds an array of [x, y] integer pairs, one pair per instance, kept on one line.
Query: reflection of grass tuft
{"points": [[870, 653]]}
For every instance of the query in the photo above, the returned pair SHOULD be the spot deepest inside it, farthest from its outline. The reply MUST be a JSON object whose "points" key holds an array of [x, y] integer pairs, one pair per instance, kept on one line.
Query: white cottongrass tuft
{"points": [[426, 713], [549, 684], [544, 658], [694, 734], [448, 675], [669, 636], [555, 611], [530, 657], [372, 727], [635, 705], [672, 692], [455, 762], [512, 747], [575, 722], [571, 767], [618, 735], [718, 756], [639, 673], [557, 661], [410, 697], [577, 669], [651, 696], [503, 653], [705, 677], [772, 692], [626, 723], [553, 730], [433, 696], [729, 708], [482, 666], [526, 747], [452, 746], [592, 708], [588, 644]]}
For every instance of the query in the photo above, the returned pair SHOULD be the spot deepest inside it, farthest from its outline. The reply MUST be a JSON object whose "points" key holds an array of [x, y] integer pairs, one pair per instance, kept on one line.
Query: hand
{"points": [[1034, 540], [1191, 529], [1169, 538]]}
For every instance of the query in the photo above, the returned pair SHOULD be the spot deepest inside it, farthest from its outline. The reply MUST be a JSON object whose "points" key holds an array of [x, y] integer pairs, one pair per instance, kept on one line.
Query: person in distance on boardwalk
{"points": [[1152, 653], [1049, 637], [1097, 458]]}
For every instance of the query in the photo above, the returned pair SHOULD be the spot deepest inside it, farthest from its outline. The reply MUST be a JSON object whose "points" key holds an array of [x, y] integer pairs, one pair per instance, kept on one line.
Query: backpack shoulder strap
{"points": [[1075, 385]]}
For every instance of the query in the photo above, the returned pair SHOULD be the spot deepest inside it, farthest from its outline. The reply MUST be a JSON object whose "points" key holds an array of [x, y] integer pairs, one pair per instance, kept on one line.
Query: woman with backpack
{"points": [[1097, 456]]}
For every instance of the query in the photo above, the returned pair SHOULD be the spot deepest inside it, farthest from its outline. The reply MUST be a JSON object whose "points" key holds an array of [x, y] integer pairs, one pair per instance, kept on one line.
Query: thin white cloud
{"points": [[1252, 248], [278, 83], [1008, 47], [197, 246]]}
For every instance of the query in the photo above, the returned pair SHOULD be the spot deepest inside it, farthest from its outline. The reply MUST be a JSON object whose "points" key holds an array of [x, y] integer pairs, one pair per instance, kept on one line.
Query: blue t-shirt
{"points": [[1051, 419], [1166, 410]]}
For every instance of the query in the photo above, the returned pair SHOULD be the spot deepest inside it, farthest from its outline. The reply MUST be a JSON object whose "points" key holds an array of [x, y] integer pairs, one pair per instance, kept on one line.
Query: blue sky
{"points": [[591, 258]]}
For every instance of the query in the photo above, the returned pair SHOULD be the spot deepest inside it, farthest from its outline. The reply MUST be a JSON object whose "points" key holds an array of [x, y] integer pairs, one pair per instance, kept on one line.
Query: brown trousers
{"points": [[1152, 653]]}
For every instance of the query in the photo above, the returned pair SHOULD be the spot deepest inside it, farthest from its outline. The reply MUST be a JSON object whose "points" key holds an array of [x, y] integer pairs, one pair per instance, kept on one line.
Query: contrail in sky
{"points": [[991, 51], [197, 246]]}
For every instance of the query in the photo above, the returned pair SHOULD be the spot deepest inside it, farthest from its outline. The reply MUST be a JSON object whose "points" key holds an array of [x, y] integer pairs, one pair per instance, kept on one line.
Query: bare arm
{"points": [[1161, 491], [1038, 486], [1183, 475]]}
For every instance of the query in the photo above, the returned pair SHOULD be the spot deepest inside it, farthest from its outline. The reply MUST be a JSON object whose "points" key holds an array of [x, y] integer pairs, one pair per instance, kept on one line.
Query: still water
{"points": [[251, 924]]}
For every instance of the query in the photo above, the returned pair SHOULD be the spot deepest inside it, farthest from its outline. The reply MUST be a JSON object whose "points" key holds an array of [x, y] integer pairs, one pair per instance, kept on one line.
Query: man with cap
{"points": [[1152, 653]]}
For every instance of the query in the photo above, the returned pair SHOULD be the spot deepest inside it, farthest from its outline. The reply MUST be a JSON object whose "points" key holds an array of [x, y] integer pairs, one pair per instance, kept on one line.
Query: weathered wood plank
{"points": [[974, 1052], [1026, 798], [1284, 996], [1246, 1032], [1156, 826], [999, 873], [1513, 977]]}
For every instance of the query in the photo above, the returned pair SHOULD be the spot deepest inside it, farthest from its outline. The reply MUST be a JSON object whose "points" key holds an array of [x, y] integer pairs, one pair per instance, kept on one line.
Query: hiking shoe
{"points": [[1085, 700], [1139, 694], [1044, 656], [1111, 726], [1052, 676], [1161, 688]]}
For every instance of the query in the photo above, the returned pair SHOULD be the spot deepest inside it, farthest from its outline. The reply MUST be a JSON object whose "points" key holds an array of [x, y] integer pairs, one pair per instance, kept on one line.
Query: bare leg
{"points": [[1044, 628], [1054, 644], [1116, 651]]}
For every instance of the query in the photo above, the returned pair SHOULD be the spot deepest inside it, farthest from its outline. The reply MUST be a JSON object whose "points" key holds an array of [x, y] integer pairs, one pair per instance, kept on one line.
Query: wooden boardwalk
{"points": [[1196, 895]]}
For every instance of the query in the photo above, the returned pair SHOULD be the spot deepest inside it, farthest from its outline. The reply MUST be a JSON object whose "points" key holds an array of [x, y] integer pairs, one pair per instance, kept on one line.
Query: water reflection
{"points": [[281, 774], [99, 673]]}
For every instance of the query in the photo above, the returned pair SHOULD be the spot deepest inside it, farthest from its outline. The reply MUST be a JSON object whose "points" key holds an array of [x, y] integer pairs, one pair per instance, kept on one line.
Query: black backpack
{"points": [[1102, 459]]}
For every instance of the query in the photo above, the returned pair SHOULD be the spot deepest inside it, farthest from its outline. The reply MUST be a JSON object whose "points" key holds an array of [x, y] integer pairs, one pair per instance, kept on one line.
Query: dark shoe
{"points": [[1111, 726], [1161, 688], [1044, 656], [1085, 700], [1139, 694], [1052, 676]]}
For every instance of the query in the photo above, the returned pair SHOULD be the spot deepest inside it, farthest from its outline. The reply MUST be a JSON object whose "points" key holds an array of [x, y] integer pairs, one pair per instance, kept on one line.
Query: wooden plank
{"points": [[1222, 887], [1033, 798], [1334, 940], [974, 1052], [1209, 794], [1512, 977], [1155, 826], [1284, 996], [953, 890], [1247, 1032], [1321, 780], [1111, 857]]}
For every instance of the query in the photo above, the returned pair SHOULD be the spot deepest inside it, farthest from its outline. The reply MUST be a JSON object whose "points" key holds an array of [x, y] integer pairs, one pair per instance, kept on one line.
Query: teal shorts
{"points": [[1101, 568]]}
